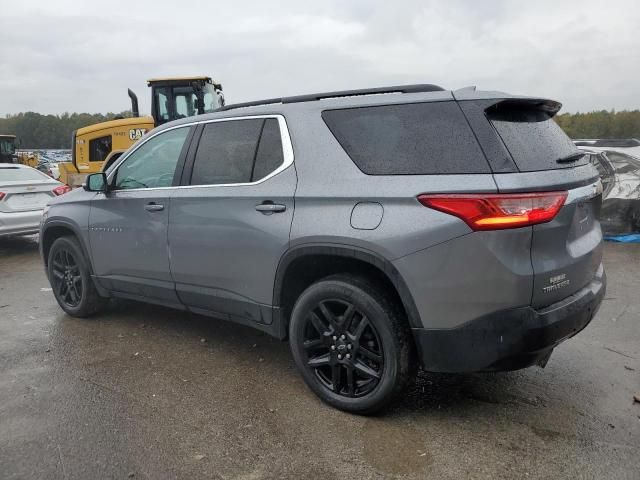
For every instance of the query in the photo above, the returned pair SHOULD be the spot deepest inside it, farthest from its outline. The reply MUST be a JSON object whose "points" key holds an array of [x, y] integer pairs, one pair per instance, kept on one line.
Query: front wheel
{"points": [[70, 279], [351, 344]]}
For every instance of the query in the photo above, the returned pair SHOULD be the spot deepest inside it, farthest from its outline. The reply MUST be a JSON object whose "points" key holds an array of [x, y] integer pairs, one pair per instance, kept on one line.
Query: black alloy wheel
{"points": [[66, 278], [343, 348], [69, 273], [352, 343]]}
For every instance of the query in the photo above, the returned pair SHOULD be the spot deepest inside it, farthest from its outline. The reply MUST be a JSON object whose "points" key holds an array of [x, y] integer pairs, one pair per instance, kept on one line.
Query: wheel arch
{"points": [[300, 266], [55, 229]]}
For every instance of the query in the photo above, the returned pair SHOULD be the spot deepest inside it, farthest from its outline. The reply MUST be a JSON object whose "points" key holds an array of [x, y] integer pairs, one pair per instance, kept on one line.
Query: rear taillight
{"points": [[2, 195], [488, 211], [61, 190]]}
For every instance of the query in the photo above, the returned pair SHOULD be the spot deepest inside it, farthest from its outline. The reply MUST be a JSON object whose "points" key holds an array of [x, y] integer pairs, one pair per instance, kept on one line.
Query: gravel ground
{"points": [[147, 392]]}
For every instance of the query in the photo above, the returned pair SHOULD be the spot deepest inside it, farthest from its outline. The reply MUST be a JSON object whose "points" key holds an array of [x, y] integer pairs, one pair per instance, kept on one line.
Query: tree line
{"points": [[37, 131], [601, 124]]}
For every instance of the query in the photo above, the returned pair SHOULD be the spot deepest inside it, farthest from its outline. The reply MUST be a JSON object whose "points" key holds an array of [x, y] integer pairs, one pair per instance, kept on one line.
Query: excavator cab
{"points": [[96, 147], [174, 98], [7, 148]]}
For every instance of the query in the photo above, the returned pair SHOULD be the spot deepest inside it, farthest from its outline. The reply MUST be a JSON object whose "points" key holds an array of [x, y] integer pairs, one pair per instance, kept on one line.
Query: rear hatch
{"points": [[567, 251]]}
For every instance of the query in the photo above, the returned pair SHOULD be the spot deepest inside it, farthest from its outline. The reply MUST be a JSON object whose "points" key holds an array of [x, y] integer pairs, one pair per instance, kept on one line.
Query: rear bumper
{"points": [[510, 339], [20, 223]]}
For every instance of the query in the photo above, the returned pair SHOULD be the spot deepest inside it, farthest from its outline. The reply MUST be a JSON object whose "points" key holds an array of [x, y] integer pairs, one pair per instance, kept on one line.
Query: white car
{"points": [[24, 192]]}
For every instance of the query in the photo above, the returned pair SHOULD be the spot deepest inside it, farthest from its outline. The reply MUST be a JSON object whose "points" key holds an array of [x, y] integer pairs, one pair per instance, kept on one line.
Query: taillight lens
{"points": [[2, 195], [61, 190], [498, 211]]}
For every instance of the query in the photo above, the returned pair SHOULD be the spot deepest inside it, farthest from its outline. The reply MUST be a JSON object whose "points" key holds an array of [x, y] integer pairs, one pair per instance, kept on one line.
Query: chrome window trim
{"points": [[587, 192], [287, 152]]}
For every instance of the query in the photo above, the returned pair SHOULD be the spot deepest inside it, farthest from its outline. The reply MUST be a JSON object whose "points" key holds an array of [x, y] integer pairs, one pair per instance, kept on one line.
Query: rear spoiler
{"points": [[514, 105]]}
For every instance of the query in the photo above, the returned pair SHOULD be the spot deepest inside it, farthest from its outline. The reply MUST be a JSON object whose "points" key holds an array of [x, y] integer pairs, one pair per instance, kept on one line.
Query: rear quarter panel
{"points": [[330, 186]]}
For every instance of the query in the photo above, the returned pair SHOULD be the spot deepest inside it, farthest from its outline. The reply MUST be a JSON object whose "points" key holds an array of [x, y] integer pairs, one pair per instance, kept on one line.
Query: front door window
{"points": [[153, 164]]}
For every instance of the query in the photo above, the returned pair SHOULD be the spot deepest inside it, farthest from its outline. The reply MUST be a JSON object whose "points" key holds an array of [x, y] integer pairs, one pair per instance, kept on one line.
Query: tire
{"points": [[70, 278], [343, 323]]}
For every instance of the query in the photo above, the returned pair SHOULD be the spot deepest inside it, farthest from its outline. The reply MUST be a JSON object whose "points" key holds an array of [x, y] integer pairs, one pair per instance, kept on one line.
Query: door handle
{"points": [[154, 207], [267, 208]]}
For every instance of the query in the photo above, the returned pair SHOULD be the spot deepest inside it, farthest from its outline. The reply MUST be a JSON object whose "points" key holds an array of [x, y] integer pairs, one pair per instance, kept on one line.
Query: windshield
{"points": [[19, 174], [7, 146], [182, 101]]}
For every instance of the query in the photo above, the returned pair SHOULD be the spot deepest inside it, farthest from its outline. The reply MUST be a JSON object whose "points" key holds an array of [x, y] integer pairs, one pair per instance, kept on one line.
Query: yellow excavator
{"points": [[95, 147], [7, 148]]}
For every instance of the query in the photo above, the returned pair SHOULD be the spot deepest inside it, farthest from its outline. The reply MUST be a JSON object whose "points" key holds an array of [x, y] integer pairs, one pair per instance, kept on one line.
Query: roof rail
{"points": [[424, 87]]}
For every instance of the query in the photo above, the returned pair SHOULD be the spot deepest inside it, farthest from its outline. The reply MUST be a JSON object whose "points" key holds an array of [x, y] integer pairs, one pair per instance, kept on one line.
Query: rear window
{"points": [[17, 174], [534, 139], [408, 139]]}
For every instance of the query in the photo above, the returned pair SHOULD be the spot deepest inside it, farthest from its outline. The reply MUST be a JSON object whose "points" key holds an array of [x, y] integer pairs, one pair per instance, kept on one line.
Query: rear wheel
{"points": [[351, 344], [70, 279]]}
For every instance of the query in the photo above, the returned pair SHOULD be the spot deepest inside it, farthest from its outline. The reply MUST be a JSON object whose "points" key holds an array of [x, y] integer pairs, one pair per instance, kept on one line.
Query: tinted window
{"points": [[534, 139], [154, 163], [99, 148], [269, 156], [407, 139], [226, 152]]}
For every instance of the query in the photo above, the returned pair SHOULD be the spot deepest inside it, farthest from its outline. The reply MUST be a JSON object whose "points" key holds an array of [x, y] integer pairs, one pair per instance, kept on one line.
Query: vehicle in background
{"points": [[24, 192], [455, 230], [8, 149], [607, 142], [171, 99], [53, 171], [41, 159], [629, 146], [28, 158], [620, 174]]}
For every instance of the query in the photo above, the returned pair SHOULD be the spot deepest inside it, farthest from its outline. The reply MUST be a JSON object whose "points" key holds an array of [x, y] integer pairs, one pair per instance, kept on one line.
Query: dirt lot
{"points": [[146, 392]]}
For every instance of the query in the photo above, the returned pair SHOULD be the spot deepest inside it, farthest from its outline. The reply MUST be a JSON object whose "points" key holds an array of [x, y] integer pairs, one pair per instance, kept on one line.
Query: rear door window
{"points": [[408, 139], [534, 140], [269, 155], [237, 151]]}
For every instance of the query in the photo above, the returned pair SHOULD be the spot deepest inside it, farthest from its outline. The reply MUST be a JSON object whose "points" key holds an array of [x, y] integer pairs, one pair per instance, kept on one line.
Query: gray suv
{"points": [[378, 230]]}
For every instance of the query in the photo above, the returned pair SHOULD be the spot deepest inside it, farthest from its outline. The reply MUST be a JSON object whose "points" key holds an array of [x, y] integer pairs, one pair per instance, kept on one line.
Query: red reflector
{"points": [[489, 211], [61, 190]]}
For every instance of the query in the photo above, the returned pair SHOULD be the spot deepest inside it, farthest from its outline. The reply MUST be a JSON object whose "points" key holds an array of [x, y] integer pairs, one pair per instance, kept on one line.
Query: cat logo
{"points": [[137, 133]]}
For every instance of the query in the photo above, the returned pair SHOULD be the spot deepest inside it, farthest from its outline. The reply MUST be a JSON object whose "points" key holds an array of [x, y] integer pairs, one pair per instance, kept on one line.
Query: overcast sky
{"points": [[62, 55]]}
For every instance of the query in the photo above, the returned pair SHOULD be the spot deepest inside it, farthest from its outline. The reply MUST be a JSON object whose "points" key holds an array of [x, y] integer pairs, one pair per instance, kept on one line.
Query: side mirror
{"points": [[96, 182]]}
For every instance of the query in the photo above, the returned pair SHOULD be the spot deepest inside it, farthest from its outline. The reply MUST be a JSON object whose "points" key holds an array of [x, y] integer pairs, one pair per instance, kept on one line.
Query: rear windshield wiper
{"points": [[574, 157]]}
